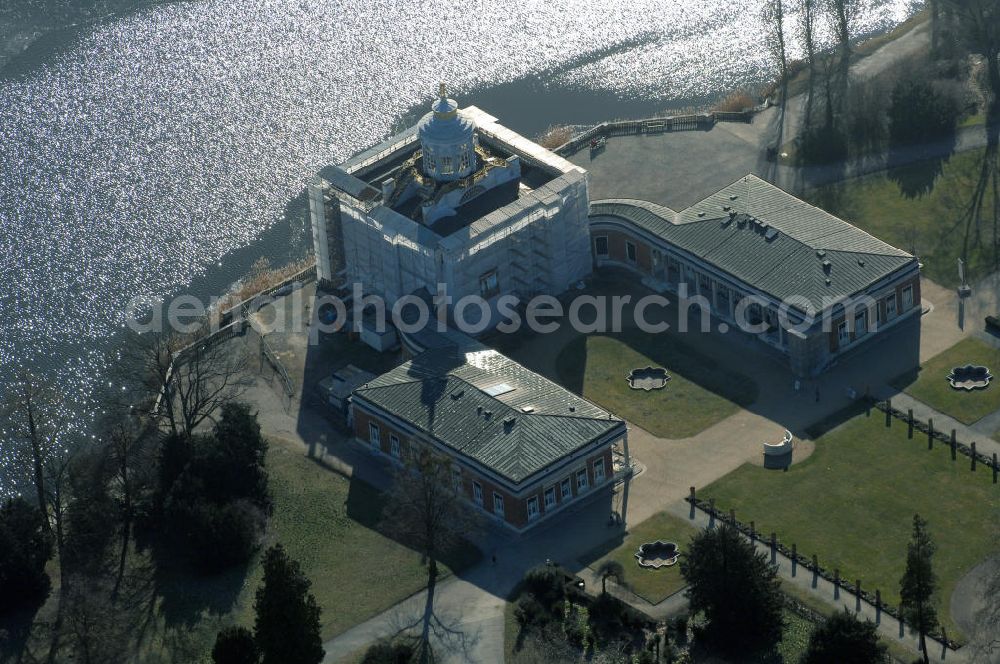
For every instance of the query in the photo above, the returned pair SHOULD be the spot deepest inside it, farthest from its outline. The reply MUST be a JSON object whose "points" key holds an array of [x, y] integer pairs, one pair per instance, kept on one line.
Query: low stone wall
{"points": [[652, 126]]}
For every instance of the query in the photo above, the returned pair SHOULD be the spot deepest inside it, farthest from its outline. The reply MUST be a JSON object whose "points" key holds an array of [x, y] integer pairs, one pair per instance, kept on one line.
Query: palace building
{"points": [[457, 200], [521, 447], [752, 246]]}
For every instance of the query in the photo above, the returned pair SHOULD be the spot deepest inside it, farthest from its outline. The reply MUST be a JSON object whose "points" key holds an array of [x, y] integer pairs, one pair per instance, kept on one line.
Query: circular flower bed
{"points": [[970, 377], [657, 554], [649, 378]]}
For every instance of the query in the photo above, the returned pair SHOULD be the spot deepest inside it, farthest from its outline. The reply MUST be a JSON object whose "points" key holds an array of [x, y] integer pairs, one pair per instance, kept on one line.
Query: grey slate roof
{"points": [[442, 393], [733, 230]]}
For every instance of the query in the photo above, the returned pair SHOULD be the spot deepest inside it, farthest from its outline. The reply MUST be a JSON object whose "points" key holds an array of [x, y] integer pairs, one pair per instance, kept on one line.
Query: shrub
{"points": [[920, 110], [25, 547], [555, 136], [388, 653], [735, 102], [843, 638], [530, 612], [575, 633], [235, 645], [545, 583], [822, 145]]}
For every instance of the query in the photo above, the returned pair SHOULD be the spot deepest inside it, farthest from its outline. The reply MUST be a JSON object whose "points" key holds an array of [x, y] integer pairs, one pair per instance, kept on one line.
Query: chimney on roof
{"points": [[508, 424]]}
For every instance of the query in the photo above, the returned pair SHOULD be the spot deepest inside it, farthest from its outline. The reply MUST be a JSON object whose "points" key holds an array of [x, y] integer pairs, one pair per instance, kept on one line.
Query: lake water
{"points": [[165, 150]]}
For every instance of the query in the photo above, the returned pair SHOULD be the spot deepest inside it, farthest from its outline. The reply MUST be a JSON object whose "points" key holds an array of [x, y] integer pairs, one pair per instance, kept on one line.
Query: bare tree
{"points": [[128, 456], [843, 17], [807, 33], [773, 14], [39, 422], [205, 377], [426, 509], [978, 25], [180, 381], [145, 369]]}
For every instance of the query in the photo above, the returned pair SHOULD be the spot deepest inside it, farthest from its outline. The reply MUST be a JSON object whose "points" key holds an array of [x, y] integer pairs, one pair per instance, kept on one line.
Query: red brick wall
{"points": [[915, 282], [515, 509], [618, 252]]}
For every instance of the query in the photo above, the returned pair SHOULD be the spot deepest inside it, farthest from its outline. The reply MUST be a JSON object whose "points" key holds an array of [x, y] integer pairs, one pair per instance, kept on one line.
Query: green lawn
{"points": [[930, 384], [930, 225], [329, 524], [653, 585], [852, 503], [699, 394]]}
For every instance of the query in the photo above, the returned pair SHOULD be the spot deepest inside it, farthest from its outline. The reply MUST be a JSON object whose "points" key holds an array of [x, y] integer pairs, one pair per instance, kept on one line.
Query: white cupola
{"points": [[447, 141]]}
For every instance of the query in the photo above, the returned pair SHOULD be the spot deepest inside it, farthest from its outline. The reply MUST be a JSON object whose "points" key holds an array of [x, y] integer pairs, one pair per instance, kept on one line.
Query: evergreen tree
{"points": [[737, 590], [842, 639], [287, 628], [919, 583]]}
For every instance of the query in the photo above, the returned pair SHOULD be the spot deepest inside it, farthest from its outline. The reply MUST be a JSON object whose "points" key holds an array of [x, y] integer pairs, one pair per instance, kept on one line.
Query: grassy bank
{"points": [[930, 385], [852, 503], [933, 226]]}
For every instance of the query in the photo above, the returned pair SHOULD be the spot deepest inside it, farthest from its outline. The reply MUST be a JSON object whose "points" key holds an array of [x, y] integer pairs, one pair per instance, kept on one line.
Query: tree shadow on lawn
{"points": [[365, 504], [185, 593]]}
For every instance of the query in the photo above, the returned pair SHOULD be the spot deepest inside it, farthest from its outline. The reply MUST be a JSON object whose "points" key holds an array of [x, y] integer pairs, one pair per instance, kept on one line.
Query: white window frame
{"points": [[532, 505], [843, 335], [890, 312], [862, 318], [498, 507], [582, 481], [634, 258], [598, 471], [549, 504], [375, 435], [907, 297], [597, 245], [394, 446], [477, 493]]}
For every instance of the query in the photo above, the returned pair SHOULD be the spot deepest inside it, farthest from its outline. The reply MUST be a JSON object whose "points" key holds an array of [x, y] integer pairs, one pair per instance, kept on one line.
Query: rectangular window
{"points": [[581, 479], [456, 478], [550, 498], [567, 489], [630, 251], [598, 471], [394, 445], [907, 297], [373, 434], [890, 306], [446, 167], [860, 323], [489, 284], [533, 507], [843, 337], [497, 504], [477, 493], [601, 245]]}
